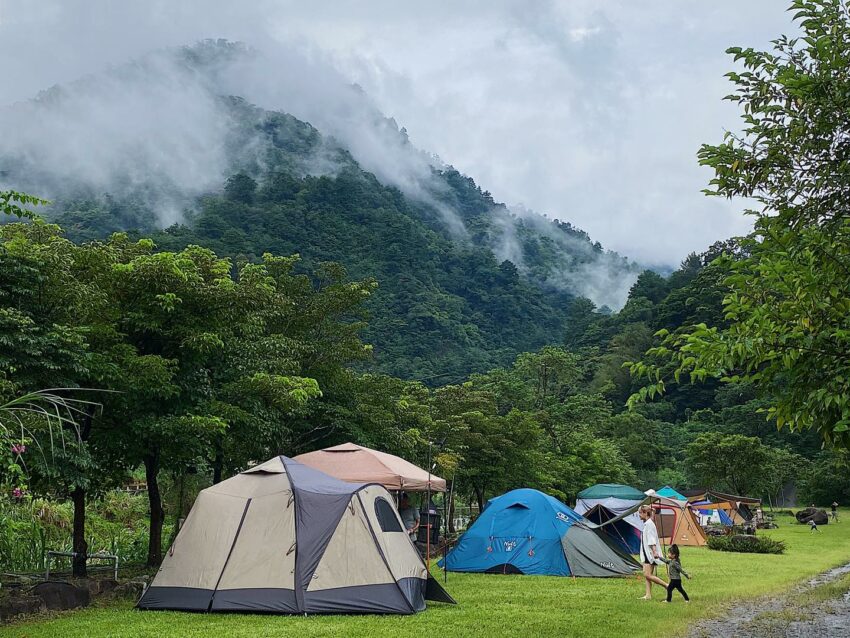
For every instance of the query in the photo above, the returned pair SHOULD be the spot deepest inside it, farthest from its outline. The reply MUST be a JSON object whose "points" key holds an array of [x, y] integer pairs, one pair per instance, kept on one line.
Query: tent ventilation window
{"points": [[387, 518]]}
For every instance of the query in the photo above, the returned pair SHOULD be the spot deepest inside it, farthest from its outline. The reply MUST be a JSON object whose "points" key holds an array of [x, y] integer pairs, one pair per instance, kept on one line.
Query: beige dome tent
{"points": [[283, 537]]}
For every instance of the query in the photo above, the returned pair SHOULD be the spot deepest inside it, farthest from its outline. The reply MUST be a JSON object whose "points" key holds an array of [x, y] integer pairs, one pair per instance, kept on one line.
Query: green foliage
{"points": [[15, 203], [786, 309], [746, 544], [828, 479]]}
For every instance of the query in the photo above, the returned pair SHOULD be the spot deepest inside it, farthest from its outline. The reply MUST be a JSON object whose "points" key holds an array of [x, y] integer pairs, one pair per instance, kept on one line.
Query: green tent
{"points": [[612, 490]]}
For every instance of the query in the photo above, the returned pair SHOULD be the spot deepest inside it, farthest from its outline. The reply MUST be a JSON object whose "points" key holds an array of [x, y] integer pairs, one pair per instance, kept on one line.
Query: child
{"points": [[813, 526], [674, 569]]}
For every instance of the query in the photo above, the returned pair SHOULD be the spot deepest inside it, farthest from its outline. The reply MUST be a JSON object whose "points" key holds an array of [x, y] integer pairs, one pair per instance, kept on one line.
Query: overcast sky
{"points": [[591, 112]]}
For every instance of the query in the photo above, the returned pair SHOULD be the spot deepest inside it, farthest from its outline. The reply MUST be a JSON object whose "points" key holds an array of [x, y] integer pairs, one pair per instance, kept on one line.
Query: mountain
{"points": [[177, 146]]}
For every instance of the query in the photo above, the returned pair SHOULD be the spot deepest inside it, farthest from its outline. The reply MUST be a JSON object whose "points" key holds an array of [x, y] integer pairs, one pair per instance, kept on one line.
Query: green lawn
{"points": [[492, 605]]}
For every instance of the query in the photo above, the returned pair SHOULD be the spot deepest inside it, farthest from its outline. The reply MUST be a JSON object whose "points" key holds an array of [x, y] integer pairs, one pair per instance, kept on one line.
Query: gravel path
{"points": [[799, 613]]}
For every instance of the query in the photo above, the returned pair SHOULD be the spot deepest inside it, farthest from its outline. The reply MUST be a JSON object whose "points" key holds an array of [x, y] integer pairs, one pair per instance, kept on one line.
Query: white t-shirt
{"points": [[649, 537]]}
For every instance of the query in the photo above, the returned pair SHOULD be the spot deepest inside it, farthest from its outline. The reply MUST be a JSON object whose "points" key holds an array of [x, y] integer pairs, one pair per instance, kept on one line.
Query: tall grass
{"points": [[116, 524]]}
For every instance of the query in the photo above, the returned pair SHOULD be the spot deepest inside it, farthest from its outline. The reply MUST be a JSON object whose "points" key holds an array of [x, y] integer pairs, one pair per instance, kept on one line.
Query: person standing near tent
{"points": [[834, 516], [650, 554], [409, 516]]}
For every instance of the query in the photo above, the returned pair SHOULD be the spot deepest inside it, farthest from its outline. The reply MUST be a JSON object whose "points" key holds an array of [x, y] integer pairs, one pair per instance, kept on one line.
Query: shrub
{"points": [[746, 543]]}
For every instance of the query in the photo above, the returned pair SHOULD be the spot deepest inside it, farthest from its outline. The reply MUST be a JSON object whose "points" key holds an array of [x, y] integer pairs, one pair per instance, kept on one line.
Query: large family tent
{"points": [[358, 464], [676, 521], [709, 514], [739, 509], [285, 538], [605, 502], [528, 532]]}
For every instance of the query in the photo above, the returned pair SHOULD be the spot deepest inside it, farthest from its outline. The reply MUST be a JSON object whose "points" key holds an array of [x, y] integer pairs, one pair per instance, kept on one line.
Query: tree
{"points": [[732, 463], [787, 309]]}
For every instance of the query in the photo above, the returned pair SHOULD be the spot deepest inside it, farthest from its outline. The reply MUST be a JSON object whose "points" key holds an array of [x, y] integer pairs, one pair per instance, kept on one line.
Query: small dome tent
{"points": [[528, 532], [285, 538]]}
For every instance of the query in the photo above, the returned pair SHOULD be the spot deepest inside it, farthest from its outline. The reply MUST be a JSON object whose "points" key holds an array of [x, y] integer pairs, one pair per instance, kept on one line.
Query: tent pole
{"points": [[428, 514], [449, 512]]}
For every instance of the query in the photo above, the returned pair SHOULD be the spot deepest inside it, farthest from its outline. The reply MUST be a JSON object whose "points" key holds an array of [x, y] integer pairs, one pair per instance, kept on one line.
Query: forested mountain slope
{"points": [[160, 147]]}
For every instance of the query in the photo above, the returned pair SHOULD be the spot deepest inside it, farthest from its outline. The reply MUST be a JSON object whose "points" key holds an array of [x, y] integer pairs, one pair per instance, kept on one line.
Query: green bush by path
{"points": [[493, 605], [746, 544]]}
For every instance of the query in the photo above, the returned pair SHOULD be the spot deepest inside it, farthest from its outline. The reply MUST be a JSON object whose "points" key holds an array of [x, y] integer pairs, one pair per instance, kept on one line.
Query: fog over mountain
{"points": [[157, 129], [586, 111]]}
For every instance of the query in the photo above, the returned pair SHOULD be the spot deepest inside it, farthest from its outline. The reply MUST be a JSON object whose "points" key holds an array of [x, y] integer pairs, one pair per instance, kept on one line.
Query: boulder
{"points": [[58, 595], [17, 604], [819, 516], [97, 586], [132, 589]]}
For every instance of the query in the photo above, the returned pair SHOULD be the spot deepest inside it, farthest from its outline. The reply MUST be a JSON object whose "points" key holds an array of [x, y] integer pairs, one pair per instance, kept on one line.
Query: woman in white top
{"points": [[649, 550]]}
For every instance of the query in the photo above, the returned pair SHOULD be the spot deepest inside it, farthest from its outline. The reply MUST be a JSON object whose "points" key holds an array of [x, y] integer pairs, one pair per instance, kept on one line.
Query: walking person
{"points": [[813, 527], [675, 571], [650, 552], [834, 514]]}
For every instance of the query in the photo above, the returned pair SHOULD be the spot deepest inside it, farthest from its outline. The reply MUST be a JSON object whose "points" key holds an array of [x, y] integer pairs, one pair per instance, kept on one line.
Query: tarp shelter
{"points": [[615, 498], [285, 538], [623, 533], [357, 464], [669, 492], [528, 532]]}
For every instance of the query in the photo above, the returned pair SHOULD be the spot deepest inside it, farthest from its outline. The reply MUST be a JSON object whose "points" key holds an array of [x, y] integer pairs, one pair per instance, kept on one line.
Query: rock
{"points": [[58, 595], [812, 513], [18, 604], [132, 589], [97, 586]]}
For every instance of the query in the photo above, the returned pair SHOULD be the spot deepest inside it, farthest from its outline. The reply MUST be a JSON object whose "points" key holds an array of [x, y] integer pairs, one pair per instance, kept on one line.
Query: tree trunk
{"points": [[218, 462], [157, 513], [80, 546], [479, 496]]}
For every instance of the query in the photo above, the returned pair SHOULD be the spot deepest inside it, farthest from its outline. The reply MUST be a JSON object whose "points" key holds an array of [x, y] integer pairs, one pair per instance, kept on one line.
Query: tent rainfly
{"points": [[285, 538], [529, 532], [614, 499], [623, 533], [357, 464]]}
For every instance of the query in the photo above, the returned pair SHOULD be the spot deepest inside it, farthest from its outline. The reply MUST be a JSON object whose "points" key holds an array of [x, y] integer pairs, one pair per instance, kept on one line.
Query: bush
{"points": [[745, 543]]}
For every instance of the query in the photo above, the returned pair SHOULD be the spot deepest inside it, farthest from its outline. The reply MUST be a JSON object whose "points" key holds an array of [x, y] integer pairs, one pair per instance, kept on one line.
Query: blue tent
{"points": [[528, 532]]}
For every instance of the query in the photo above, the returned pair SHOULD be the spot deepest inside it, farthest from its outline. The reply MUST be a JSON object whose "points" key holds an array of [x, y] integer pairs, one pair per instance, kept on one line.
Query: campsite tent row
{"points": [[679, 518], [528, 532]]}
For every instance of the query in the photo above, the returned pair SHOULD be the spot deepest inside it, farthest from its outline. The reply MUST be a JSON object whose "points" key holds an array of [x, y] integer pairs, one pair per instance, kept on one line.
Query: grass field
{"points": [[492, 605]]}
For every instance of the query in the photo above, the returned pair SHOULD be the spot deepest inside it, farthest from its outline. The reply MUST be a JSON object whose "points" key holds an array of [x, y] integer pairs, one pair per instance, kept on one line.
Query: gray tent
{"points": [[285, 538]]}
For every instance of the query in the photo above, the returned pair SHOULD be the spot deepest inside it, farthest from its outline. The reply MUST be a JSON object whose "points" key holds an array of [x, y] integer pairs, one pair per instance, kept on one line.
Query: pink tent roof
{"points": [[358, 464]]}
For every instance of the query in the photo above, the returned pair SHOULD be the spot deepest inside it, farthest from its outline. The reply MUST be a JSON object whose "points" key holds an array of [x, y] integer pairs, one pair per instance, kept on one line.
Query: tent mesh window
{"points": [[386, 516]]}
